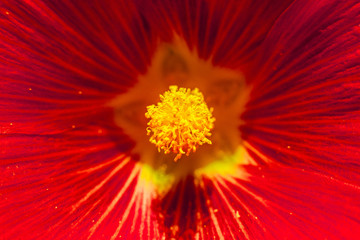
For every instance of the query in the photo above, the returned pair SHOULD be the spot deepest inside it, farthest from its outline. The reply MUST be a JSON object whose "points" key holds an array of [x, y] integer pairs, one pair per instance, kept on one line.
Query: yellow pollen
{"points": [[180, 122]]}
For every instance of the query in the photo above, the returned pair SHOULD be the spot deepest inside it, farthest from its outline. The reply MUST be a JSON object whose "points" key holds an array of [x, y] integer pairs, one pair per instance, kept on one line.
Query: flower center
{"points": [[180, 122]]}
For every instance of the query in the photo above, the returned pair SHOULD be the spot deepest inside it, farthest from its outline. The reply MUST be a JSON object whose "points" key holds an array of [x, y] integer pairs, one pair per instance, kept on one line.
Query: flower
{"points": [[281, 76]]}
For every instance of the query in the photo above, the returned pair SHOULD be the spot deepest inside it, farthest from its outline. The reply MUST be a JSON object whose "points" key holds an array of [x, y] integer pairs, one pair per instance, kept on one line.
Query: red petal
{"points": [[64, 170]]}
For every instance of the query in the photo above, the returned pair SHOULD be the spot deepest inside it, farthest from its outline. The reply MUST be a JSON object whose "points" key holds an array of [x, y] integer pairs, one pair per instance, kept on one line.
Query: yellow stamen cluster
{"points": [[180, 122]]}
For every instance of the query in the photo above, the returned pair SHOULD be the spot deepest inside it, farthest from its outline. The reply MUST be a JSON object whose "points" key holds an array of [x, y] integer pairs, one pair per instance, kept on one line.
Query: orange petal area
{"points": [[224, 90]]}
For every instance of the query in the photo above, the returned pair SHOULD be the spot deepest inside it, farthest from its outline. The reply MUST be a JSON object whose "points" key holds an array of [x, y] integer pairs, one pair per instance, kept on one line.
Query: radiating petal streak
{"points": [[214, 220], [118, 158], [287, 122], [199, 215], [231, 209], [134, 197], [74, 88], [297, 135], [137, 193], [134, 173], [298, 93], [66, 26], [106, 38], [257, 152], [72, 152], [179, 203], [262, 201], [30, 82], [146, 211], [309, 158], [140, 201], [71, 48], [258, 198], [93, 103], [86, 214], [231, 18], [269, 206], [102, 183], [131, 35]]}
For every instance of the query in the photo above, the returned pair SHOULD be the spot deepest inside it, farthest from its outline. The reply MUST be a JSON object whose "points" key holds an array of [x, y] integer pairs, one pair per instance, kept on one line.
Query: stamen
{"points": [[180, 122]]}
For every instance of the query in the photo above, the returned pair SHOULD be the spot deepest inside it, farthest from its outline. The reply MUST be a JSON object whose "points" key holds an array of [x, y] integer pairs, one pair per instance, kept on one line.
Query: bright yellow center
{"points": [[180, 122]]}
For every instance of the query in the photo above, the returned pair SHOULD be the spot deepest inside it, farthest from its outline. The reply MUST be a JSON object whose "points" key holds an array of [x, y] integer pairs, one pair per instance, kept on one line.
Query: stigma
{"points": [[180, 122]]}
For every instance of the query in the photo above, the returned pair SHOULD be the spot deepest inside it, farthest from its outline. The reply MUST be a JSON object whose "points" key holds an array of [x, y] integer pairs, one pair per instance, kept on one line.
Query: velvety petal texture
{"points": [[67, 170]]}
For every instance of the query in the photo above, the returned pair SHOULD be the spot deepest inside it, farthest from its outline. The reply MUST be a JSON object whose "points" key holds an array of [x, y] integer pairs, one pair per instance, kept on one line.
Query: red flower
{"points": [[76, 77]]}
